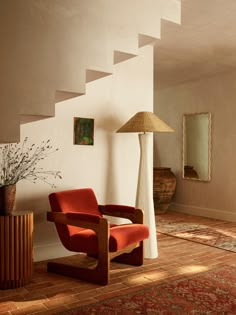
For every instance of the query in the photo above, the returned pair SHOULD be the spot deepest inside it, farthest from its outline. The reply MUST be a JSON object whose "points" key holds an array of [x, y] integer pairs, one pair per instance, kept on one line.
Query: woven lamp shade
{"points": [[145, 122]]}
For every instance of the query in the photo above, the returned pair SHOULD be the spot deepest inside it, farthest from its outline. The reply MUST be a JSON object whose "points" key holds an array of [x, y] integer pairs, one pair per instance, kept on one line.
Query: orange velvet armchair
{"points": [[82, 228]]}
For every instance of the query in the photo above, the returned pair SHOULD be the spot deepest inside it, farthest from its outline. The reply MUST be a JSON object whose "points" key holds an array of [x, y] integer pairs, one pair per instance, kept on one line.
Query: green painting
{"points": [[83, 131]]}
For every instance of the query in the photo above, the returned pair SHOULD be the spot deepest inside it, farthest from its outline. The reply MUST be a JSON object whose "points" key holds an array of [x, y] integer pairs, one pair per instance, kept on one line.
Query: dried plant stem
{"points": [[17, 162]]}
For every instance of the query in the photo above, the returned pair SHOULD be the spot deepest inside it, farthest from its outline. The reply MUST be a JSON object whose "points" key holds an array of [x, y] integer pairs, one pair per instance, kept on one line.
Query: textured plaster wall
{"points": [[216, 95], [110, 167]]}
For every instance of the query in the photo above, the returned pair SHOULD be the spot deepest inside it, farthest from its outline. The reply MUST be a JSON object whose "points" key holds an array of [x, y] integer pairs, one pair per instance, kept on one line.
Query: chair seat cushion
{"points": [[121, 236]]}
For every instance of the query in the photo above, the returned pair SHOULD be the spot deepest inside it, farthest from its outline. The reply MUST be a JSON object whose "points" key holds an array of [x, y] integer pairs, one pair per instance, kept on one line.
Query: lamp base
{"points": [[144, 196]]}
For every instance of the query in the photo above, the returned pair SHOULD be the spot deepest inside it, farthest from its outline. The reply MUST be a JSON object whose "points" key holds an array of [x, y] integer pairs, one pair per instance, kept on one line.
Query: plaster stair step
{"points": [[24, 119], [92, 75], [171, 11], [61, 96], [120, 56], [146, 40]]}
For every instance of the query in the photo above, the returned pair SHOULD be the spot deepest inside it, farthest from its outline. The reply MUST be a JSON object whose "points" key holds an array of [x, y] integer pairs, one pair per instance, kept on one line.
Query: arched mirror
{"points": [[197, 146]]}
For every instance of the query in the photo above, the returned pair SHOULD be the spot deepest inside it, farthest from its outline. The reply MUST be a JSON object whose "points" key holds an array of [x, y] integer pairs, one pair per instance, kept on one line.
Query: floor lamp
{"points": [[144, 123]]}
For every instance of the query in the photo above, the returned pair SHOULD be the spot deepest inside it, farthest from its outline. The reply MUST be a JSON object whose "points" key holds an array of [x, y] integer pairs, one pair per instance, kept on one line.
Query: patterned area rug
{"points": [[208, 293], [219, 234]]}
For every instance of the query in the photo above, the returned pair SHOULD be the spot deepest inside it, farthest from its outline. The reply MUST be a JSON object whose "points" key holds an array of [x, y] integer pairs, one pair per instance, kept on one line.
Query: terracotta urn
{"points": [[164, 185]]}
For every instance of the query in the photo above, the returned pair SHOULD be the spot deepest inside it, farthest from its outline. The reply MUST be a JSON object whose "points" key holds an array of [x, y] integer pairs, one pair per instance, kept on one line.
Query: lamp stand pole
{"points": [[144, 196]]}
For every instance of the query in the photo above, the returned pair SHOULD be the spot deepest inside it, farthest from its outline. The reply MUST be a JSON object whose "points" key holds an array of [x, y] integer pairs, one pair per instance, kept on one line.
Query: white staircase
{"points": [[50, 49]]}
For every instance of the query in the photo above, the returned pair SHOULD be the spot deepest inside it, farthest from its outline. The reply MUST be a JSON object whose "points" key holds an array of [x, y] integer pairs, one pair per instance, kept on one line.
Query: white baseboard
{"points": [[204, 212], [50, 251]]}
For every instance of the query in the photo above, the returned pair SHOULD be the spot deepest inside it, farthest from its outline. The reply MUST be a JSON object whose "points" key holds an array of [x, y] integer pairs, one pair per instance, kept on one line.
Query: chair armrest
{"points": [[131, 213], [87, 221]]}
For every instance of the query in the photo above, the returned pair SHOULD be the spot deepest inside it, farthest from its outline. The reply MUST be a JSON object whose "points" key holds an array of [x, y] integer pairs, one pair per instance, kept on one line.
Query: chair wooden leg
{"points": [[134, 258], [98, 275]]}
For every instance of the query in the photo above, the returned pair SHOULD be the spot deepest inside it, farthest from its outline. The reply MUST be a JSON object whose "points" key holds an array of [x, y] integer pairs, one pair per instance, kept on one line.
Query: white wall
{"points": [[110, 167], [217, 95]]}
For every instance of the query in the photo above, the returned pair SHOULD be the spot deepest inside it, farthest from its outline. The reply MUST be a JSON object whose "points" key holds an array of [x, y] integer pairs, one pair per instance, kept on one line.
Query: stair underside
{"points": [[65, 90]]}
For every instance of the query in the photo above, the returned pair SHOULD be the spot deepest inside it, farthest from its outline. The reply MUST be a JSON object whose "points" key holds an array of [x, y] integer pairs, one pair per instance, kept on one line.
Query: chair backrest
{"points": [[76, 200]]}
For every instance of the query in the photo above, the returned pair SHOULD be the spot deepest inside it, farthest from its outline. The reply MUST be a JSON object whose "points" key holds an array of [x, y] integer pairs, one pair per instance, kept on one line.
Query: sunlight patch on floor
{"points": [[193, 268], [137, 280], [156, 275], [190, 235]]}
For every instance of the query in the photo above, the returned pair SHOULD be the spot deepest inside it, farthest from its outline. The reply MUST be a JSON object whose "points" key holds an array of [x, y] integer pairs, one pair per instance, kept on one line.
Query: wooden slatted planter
{"points": [[16, 249]]}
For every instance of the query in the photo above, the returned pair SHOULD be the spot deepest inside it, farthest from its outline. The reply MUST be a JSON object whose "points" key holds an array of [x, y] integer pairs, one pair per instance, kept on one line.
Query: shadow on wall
{"points": [[109, 124], [36, 203], [39, 205]]}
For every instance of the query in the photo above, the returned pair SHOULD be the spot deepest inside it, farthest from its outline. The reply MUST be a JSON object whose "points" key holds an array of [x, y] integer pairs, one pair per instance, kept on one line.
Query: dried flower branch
{"points": [[18, 162]]}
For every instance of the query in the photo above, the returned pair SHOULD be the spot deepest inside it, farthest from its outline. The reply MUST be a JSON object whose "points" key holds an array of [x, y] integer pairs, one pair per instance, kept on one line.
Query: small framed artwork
{"points": [[83, 131]]}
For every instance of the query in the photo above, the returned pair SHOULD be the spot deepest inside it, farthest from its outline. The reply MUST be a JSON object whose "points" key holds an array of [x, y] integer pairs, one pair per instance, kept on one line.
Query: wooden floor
{"points": [[51, 294]]}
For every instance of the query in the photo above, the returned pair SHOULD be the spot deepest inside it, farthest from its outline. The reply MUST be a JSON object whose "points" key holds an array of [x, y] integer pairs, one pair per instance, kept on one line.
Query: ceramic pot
{"points": [[164, 185], [7, 199]]}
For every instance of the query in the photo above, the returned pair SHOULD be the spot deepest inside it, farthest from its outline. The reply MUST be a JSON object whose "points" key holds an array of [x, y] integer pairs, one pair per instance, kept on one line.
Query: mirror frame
{"points": [[209, 146]]}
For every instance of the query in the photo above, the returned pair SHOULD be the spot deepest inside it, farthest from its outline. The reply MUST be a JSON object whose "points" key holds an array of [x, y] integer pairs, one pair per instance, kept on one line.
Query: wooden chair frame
{"points": [[132, 255]]}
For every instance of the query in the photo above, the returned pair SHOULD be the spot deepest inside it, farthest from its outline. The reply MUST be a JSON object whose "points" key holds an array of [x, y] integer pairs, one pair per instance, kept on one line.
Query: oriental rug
{"points": [[217, 233], [209, 293]]}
